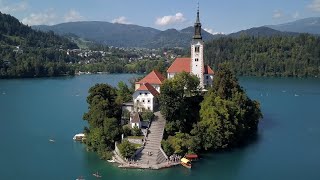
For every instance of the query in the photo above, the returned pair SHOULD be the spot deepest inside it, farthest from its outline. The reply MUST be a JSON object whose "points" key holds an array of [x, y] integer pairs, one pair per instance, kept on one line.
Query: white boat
{"points": [[52, 140], [111, 161], [78, 137]]}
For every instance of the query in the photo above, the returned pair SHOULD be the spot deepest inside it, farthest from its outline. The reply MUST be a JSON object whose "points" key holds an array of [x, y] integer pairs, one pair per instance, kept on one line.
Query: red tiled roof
{"points": [[148, 87], [207, 70], [180, 65], [154, 77]]}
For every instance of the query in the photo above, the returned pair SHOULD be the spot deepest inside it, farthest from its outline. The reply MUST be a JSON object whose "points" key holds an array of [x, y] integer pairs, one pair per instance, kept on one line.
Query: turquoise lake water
{"points": [[34, 110]]}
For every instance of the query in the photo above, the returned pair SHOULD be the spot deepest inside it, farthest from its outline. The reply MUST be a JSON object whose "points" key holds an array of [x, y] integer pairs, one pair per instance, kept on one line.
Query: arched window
{"points": [[197, 49]]}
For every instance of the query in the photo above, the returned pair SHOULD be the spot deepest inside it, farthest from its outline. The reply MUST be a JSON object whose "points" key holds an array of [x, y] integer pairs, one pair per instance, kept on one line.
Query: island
{"points": [[159, 119]]}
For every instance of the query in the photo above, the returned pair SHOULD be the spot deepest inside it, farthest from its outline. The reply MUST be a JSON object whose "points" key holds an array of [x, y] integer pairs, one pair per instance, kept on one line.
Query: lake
{"points": [[32, 111]]}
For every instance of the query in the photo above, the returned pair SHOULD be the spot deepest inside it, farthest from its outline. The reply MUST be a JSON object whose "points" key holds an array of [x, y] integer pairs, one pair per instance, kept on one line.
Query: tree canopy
{"points": [[226, 117], [103, 117], [286, 56]]}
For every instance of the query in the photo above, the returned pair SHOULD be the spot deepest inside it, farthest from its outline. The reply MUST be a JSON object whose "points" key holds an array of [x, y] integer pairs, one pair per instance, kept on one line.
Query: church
{"points": [[195, 64], [147, 89]]}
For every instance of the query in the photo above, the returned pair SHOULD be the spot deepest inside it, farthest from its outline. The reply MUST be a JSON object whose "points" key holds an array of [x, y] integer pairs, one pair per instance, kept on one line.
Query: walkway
{"points": [[151, 154]]}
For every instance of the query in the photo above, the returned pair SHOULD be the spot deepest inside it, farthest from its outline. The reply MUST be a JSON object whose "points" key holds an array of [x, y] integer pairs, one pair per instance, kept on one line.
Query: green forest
{"points": [[282, 56], [25, 52]]}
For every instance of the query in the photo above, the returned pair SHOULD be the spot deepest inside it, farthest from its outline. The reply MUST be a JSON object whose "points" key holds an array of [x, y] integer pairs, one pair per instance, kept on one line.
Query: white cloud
{"points": [[315, 5], [12, 8], [277, 14], [296, 15], [121, 20], [166, 20], [211, 31], [47, 18], [72, 16]]}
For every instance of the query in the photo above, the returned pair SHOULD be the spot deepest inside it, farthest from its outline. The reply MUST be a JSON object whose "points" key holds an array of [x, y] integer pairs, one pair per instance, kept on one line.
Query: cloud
{"points": [[315, 5], [296, 15], [277, 14], [72, 16], [12, 8], [47, 18], [209, 30], [167, 20], [121, 20]]}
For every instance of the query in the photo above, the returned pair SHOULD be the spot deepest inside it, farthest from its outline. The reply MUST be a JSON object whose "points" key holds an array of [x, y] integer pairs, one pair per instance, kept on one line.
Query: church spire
{"points": [[197, 27]]}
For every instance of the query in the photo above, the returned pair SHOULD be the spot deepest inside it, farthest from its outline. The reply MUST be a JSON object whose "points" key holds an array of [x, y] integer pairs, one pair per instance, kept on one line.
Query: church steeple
{"points": [[197, 27]]}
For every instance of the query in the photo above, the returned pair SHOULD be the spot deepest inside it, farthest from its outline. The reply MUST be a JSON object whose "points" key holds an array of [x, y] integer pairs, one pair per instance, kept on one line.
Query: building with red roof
{"points": [[195, 64], [154, 78], [145, 97]]}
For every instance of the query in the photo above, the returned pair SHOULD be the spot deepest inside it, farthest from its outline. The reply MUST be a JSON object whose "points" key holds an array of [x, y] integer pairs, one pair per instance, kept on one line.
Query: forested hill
{"points": [[288, 56], [26, 52], [126, 35]]}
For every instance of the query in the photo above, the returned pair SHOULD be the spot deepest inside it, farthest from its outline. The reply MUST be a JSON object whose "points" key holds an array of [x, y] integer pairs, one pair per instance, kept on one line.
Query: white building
{"points": [[194, 64], [146, 92], [145, 98]]}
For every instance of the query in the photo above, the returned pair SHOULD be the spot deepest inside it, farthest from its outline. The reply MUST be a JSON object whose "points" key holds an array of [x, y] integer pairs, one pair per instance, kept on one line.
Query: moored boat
{"points": [[186, 163], [192, 157], [79, 137]]}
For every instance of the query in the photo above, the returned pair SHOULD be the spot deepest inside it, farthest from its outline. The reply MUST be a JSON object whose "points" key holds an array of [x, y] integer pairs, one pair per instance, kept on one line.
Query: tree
{"points": [[179, 100], [147, 115], [102, 104], [123, 93], [103, 118], [228, 117], [136, 131], [127, 149]]}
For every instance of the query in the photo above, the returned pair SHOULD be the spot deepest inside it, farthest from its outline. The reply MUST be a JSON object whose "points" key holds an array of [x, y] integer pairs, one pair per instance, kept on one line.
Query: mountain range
{"points": [[129, 35], [307, 25]]}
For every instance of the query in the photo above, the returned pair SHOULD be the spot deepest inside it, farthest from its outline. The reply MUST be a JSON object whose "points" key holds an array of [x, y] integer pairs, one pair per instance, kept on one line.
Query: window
{"points": [[207, 77], [146, 94], [138, 101], [196, 59], [148, 100], [148, 108], [140, 93], [143, 100], [197, 49]]}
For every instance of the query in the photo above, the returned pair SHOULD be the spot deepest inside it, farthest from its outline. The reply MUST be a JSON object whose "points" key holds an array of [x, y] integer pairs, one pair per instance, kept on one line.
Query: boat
{"points": [[97, 175], [186, 163], [78, 137], [192, 157], [111, 161], [80, 178], [52, 140]]}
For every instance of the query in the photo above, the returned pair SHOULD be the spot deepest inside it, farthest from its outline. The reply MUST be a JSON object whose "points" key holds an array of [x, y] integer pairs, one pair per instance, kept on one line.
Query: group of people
{"points": [[174, 158]]}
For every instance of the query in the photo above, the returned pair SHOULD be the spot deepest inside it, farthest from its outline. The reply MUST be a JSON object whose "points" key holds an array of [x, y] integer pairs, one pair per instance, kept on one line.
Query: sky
{"points": [[217, 16]]}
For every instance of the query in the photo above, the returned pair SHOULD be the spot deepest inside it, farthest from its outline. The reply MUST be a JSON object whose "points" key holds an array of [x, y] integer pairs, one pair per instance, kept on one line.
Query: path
{"points": [[153, 143]]}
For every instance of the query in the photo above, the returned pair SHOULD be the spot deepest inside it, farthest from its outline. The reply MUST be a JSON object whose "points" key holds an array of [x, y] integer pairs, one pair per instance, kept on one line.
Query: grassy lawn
{"points": [[135, 137], [137, 146]]}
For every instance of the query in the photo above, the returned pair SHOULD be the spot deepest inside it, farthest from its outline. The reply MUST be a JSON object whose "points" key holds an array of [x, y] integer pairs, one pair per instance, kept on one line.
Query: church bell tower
{"points": [[197, 43]]}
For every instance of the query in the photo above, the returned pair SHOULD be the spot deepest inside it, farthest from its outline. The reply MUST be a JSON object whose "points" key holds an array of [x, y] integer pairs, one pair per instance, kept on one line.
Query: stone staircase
{"points": [[153, 143]]}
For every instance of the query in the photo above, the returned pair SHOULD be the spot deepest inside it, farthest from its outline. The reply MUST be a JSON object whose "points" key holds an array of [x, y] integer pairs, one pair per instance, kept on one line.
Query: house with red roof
{"points": [[194, 64], [154, 78], [145, 97]]}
